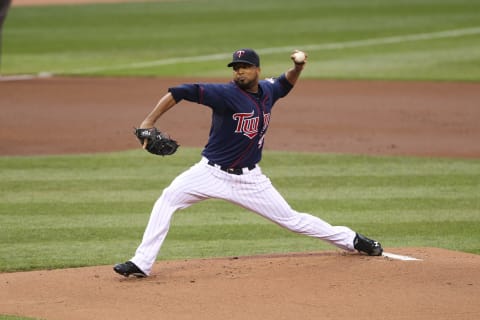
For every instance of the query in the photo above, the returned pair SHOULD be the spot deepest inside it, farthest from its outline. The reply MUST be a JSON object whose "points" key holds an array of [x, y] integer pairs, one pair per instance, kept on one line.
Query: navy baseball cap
{"points": [[245, 56]]}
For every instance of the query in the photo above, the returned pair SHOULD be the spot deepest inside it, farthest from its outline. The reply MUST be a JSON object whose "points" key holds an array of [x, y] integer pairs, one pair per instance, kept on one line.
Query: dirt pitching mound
{"points": [[323, 285]]}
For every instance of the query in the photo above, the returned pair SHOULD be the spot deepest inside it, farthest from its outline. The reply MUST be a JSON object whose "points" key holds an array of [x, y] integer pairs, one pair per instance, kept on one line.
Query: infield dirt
{"points": [[68, 115]]}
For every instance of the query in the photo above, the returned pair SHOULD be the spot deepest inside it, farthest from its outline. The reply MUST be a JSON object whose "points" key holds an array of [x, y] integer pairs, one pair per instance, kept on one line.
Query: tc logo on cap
{"points": [[240, 53]]}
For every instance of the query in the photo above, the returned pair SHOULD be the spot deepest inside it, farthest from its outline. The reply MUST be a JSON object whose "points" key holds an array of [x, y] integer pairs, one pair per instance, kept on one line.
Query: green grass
{"points": [[5, 317], [79, 210], [106, 39]]}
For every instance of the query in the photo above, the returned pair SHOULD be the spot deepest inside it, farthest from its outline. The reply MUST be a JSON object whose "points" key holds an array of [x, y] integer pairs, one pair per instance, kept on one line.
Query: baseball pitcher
{"points": [[229, 167]]}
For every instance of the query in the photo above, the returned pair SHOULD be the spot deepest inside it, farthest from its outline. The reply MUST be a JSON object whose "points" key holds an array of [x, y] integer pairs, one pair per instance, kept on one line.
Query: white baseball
{"points": [[299, 57]]}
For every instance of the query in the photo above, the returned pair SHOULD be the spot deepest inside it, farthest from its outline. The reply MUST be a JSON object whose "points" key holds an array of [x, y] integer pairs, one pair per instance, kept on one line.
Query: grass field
{"points": [[348, 39], [6, 317], [66, 211]]}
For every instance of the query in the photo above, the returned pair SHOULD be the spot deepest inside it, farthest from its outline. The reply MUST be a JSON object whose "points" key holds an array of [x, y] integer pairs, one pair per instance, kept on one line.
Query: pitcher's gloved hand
{"points": [[156, 142]]}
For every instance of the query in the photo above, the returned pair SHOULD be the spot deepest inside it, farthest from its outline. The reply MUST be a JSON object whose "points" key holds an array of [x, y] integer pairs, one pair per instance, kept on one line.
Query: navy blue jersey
{"points": [[239, 119]]}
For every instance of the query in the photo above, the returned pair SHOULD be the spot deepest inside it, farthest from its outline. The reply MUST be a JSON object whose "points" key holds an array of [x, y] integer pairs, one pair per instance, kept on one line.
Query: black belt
{"points": [[237, 171]]}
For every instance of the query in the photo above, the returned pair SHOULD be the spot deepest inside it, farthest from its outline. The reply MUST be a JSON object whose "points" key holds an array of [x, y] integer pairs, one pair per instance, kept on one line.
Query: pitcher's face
{"points": [[246, 76]]}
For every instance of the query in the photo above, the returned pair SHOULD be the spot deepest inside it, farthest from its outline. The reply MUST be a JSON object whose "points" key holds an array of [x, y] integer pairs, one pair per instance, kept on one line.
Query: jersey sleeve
{"points": [[189, 92], [278, 87], [281, 87], [208, 94]]}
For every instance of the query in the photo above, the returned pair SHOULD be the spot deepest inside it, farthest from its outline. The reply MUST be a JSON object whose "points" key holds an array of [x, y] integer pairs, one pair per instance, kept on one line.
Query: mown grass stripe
{"points": [[351, 39], [287, 49], [69, 211]]}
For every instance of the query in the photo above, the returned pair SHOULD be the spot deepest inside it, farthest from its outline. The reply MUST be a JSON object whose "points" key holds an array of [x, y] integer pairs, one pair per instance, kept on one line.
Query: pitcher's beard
{"points": [[247, 85]]}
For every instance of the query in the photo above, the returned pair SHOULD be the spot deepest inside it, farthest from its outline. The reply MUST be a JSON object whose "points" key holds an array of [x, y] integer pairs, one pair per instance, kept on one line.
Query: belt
{"points": [[237, 171]]}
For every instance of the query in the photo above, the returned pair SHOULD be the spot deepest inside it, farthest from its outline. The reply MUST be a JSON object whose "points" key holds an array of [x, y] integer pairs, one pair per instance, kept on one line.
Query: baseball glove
{"points": [[158, 143]]}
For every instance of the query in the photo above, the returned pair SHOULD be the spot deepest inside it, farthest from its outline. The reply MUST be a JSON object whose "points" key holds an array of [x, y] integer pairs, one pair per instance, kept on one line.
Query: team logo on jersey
{"points": [[248, 124]]}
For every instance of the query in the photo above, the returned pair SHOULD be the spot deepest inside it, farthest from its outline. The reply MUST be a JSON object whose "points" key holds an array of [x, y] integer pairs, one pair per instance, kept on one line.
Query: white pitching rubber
{"points": [[399, 257]]}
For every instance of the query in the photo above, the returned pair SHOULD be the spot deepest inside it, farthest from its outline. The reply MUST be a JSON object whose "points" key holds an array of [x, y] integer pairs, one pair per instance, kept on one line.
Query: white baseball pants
{"points": [[251, 190]]}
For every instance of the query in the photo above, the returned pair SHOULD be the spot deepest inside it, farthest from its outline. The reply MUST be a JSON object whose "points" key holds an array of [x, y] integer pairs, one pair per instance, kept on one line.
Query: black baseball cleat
{"points": [[368, 246], [129, 269]]}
